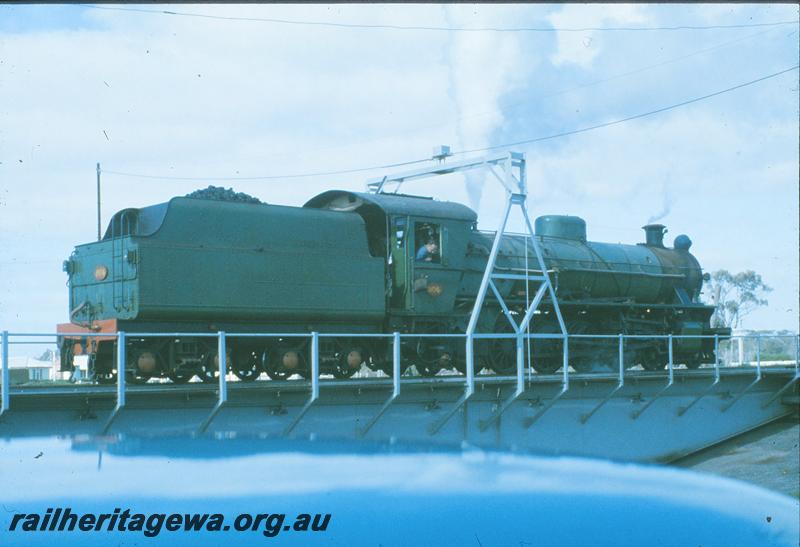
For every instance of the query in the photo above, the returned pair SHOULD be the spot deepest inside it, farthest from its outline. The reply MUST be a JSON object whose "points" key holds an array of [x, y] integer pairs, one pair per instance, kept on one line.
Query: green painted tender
{"points": [[194, 259]]}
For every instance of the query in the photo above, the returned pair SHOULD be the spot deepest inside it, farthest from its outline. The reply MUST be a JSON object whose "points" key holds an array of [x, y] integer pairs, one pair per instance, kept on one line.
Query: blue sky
{"points": [[182, 96]]}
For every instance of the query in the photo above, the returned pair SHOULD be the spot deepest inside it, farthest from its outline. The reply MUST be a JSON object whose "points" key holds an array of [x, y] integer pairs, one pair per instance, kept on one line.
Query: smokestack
{"points": [[654, 234]]}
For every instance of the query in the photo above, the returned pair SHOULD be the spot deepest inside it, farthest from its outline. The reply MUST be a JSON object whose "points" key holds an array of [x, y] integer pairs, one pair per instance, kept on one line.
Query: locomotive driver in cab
{"points": [[428, 252]]}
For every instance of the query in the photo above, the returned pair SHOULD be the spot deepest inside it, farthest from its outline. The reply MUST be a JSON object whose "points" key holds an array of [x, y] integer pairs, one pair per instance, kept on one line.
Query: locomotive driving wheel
{"points": [[547, 353], [502, 357], [653, 360], [546, 365], [590, 354]]}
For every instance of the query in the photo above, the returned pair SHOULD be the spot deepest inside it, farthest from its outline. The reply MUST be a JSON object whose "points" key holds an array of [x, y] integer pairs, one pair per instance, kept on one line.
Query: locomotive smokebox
{"points": [[654, 235]]}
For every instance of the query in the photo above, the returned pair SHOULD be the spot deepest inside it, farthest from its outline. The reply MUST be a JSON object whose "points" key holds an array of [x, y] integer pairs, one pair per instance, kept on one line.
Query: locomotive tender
{"points": [[350, 262]]}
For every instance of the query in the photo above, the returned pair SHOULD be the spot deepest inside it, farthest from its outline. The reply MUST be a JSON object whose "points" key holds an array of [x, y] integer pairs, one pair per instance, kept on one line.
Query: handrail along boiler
{"points": [[349, 262]]}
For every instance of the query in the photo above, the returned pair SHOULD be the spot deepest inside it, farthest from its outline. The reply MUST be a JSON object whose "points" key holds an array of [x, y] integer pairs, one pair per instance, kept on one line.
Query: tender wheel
{"points": [[134, 378], [348, 362], [379, 359], [209, 370], [180, 379], [284, 362], [142, 367], [427, 370], [105, 378], [653, 360], [249, 368], [692, 362]]}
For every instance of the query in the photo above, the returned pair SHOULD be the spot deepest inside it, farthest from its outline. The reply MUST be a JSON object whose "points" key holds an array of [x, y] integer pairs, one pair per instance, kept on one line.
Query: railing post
{"points": [[671, 376], [469, 388], [797, 353], [395, 385], [682, 410], [740, 347], [395, 364], [669, 353], [620, 381], [223, 367], [470, 368], [754, 382], [528, 422], [6, 393], [314, 366], [121, 369], [520, 363], [758, 351], [520, 389], [314, 384], [120, 382]]}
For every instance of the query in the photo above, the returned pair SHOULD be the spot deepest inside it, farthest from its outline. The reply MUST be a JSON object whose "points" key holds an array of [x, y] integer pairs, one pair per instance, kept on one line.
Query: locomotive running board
{"points": [[517, 194]]}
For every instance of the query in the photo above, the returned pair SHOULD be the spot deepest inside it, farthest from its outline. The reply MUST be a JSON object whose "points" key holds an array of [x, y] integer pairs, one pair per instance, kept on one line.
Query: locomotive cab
{"points": [[405, 225]]}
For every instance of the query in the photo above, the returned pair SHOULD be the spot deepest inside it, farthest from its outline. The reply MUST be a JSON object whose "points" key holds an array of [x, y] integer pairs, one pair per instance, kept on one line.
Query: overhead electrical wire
{"points": [[629, 118], [473, 150], [272, 177], [435, 28]]}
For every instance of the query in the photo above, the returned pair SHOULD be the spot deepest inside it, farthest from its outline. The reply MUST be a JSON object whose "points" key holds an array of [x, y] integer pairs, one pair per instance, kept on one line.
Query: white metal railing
{"points": [[396, 340]]}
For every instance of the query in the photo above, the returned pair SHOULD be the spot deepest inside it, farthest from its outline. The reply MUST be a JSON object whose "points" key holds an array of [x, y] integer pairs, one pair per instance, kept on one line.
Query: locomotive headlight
{"points": [[100, 273], [434, 289]]}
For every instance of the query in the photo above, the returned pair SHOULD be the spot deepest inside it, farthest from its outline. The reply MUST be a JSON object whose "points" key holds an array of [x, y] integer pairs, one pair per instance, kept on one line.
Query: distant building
{"points": [[22, 370]]}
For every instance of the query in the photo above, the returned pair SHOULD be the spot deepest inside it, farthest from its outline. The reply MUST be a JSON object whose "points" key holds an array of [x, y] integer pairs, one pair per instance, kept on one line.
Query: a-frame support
{"points": [[503, 167]]}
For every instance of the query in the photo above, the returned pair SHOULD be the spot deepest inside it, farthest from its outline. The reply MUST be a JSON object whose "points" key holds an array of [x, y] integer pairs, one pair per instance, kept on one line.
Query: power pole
{"points": [[98, 201]]}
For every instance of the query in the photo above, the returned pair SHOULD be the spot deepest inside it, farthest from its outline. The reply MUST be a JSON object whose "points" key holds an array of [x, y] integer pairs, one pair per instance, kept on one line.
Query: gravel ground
{"points": [[768, 457]]}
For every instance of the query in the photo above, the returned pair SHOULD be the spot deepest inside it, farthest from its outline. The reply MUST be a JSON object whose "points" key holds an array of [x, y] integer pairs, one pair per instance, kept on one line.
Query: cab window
{"points": [[428, 239], [400, 231]]}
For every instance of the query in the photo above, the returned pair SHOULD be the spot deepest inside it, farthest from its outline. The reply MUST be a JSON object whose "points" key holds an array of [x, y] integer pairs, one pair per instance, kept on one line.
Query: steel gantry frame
{"points": [[502, 166]]}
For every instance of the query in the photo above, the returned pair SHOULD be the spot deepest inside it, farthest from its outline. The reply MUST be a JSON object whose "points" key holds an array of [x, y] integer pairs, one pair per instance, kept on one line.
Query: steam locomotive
{"points": [[349, 262]]}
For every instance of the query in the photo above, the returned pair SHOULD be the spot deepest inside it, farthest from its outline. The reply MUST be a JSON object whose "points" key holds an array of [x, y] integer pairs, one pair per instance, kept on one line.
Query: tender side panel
{"points": [[253, 261]]}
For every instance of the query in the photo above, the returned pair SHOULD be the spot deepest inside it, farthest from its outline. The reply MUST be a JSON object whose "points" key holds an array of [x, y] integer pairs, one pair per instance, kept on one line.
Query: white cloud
{"points": [[580, 48]]}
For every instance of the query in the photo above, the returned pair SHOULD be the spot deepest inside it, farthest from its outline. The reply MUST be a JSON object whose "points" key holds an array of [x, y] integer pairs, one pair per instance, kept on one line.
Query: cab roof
{"points": [[392, 204]]}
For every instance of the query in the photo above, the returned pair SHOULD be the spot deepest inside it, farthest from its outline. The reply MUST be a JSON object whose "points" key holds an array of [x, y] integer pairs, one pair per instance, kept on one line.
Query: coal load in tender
{"points": [[220, 193]]}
